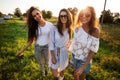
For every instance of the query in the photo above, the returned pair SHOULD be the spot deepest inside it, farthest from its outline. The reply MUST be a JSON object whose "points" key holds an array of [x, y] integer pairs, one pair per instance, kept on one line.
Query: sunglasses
{"points": [[61, 16], [85, 15]]}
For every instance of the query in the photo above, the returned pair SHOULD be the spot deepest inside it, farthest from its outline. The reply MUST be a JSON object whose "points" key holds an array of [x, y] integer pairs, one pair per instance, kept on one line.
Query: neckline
{"points": [[42, 25], [84, 30], [87, 33]]}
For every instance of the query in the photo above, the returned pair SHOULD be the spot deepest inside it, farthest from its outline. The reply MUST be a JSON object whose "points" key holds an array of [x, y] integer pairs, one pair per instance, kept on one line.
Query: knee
{"points": [[55, 74], [76, 76]]}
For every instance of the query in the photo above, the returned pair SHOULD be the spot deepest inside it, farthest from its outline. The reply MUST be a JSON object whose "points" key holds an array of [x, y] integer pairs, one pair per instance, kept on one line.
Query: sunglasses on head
{"points": [[61, 16]]}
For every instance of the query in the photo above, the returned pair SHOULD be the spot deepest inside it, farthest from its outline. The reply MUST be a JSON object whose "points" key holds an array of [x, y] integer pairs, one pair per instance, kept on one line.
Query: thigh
{"points": [[38, 54], [45, 51], [55, 72], [36, 49]]}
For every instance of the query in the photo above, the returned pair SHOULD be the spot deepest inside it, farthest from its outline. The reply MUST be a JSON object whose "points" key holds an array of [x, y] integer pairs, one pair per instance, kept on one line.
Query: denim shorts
{"points": [[78, 63]]}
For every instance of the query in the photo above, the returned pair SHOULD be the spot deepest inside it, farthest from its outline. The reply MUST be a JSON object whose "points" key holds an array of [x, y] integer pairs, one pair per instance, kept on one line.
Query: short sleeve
{"points": [[94, 44]]}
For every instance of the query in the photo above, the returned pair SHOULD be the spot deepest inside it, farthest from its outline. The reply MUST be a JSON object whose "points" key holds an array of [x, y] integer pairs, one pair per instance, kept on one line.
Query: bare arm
{"points": [[90, 56], [20, 53]]}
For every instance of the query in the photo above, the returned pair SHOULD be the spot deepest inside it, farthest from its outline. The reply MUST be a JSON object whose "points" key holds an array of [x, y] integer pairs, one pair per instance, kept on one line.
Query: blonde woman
{"points": [[85, 42]]}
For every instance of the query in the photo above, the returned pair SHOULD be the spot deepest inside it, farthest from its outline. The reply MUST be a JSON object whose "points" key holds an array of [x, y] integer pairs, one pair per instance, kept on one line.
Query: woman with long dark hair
{"points": [[38, 31], [60, 36]]}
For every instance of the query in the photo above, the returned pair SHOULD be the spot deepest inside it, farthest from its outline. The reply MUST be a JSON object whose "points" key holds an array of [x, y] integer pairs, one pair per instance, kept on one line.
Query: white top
{"points": [[43, 34], [82, 43], [56, 40]]}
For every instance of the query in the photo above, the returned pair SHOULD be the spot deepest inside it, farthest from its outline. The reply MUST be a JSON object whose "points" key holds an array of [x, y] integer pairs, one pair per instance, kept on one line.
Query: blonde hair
{"points": [[93, 23]]}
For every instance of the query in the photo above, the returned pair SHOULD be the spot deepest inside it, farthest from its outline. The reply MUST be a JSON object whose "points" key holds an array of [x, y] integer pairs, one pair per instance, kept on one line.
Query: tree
{"points": [[70, 9], [11, 14], [116, 17], [108, 17], [74, 12], [102, 17], [49, 14], [1, 14], [25, 14], [46, 14], [17, 12]]}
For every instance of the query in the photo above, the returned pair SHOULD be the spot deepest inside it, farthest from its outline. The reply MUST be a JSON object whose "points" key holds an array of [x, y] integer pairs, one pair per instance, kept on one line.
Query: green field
{"points": [[13, 37]]}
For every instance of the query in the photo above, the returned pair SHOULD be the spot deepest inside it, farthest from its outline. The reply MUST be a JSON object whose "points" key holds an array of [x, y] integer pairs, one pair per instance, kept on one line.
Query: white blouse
{"points": [[82, 43], [44, 33]]}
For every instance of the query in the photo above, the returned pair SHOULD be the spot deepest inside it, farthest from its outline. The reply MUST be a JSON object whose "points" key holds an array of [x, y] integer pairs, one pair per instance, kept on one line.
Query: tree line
{"points": [[109, 17], [18, 13], [106, 16]]}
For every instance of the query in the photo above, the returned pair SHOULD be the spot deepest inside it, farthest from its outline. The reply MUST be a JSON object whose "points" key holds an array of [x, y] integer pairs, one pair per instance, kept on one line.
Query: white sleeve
{"points": [[94, 45], [52, 42]]}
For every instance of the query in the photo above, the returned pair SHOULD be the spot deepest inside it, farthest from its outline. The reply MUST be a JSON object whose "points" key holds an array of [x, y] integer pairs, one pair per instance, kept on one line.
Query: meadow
{"points": [[13, 37]]}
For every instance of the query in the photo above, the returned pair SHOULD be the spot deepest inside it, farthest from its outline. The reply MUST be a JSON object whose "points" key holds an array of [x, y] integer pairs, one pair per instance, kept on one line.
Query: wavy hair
{"points": [[94, 23], [32, 24]]}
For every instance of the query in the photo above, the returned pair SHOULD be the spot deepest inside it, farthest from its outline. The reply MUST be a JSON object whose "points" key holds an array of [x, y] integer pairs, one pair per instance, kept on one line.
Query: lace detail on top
{"points": [[82, 43]]}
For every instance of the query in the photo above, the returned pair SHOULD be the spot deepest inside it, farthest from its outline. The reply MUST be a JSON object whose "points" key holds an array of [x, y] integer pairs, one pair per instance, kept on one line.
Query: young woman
{"points": [[85, 42], [38, 31], [59, 37]]}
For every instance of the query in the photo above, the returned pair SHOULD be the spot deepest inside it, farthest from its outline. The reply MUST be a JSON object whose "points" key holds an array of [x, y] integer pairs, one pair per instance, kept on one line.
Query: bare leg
{"points": [[55, 72], [82, 76], [62, 73], [76, 76]]}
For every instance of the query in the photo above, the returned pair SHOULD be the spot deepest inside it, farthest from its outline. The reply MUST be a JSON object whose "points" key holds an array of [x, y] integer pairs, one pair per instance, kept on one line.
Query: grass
{"points": [[13, 37]]}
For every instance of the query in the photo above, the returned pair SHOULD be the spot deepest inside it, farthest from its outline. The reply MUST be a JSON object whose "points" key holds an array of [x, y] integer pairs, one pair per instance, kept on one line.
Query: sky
{"points": [[9, 6]]}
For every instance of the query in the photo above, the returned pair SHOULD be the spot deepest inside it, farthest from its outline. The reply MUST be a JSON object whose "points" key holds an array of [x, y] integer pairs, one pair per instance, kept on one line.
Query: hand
{"points": [[54, 61], [76, 75], [78, 71], [68, 45]]}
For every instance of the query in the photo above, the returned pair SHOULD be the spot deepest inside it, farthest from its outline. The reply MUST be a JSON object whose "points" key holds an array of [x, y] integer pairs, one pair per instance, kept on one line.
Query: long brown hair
{"points": [[32, 24], [68, 24]]}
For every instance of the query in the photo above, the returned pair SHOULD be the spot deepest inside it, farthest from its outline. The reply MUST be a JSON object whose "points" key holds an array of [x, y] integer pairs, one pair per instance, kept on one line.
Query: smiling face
{"points": [[63, 17], [37, 15], [85, 16]]}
